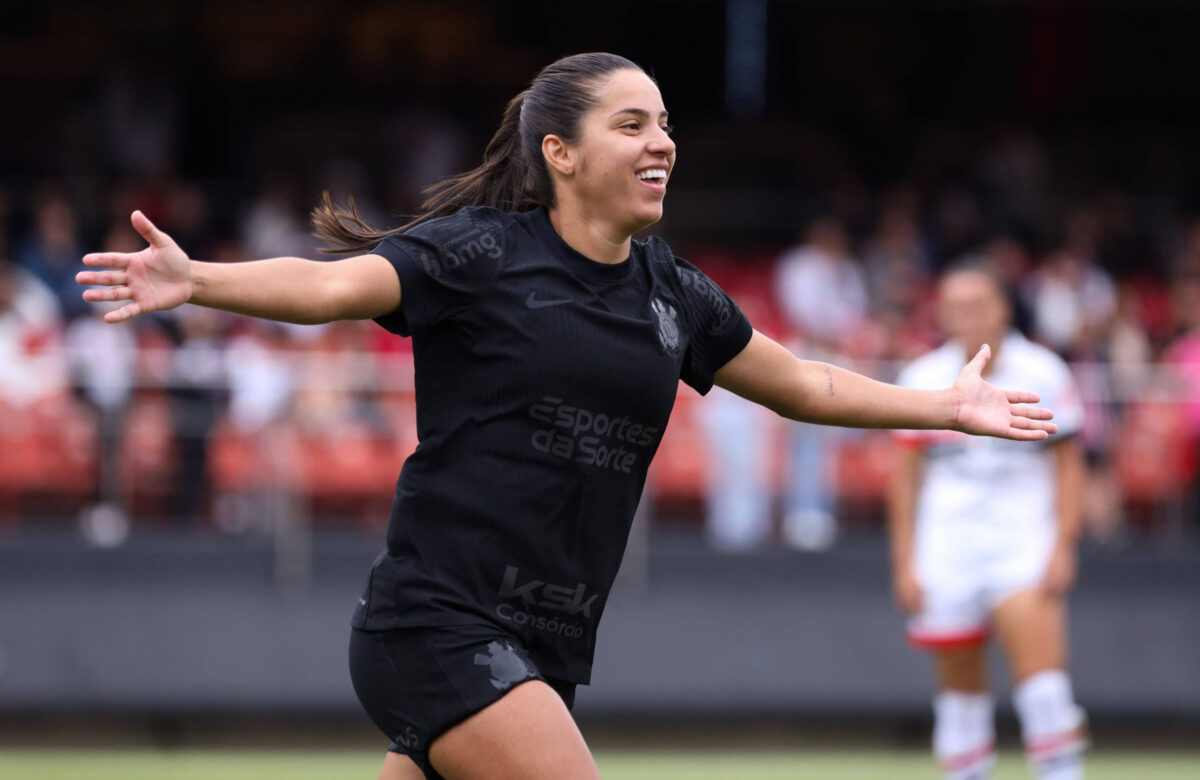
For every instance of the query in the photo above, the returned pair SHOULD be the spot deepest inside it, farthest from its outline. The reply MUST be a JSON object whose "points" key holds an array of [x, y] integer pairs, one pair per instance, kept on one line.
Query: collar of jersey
{"points": [[578, 263]]}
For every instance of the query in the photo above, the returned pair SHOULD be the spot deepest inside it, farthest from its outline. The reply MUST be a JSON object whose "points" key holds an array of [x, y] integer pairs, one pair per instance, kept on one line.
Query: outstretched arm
{"points": [[288, 289], [768, 374]]}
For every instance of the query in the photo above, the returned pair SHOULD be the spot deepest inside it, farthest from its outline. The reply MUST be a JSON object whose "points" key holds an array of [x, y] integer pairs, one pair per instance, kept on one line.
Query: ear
{"points": [[558, 154]]}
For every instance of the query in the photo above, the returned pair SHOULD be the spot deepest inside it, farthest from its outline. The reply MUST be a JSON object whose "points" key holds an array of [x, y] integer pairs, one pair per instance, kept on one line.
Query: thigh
{"points": [[1031, 627], [526, 735], [418, 683]]}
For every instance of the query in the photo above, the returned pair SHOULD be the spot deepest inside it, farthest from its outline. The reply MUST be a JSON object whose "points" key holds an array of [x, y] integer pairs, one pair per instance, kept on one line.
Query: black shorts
{"points": [[417, 683]]}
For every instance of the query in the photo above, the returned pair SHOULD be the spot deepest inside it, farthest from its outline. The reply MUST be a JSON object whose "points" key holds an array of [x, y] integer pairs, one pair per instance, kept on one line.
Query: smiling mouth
{"points": [[654, 175]]}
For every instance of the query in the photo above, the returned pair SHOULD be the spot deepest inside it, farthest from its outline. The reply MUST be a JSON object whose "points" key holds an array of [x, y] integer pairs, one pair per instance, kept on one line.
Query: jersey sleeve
{"points": [[719, 329], [1062, 398], [443, 266]]}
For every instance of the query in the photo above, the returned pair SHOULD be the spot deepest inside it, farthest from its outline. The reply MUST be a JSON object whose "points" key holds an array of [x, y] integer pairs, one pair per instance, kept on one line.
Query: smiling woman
{"points": [[548, 348]]}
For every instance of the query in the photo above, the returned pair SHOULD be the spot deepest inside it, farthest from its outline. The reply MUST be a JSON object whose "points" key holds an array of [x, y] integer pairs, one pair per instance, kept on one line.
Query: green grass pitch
{"points": [[614, 765]]}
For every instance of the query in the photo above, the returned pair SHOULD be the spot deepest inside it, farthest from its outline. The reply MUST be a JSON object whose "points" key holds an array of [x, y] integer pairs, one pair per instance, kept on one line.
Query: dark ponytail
{"points": [[513, 175]]}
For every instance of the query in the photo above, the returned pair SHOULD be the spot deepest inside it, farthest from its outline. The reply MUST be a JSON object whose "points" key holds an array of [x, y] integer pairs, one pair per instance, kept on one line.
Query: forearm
{"points": [[825, 394], [287, 289], [811, 391]]}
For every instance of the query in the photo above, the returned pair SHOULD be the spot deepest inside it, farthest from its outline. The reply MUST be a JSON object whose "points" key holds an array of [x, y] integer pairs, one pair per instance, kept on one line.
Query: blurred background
{"points": [[189, 502]]}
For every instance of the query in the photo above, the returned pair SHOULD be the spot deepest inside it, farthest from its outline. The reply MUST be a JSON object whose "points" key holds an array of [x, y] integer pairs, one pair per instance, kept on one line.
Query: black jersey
{"points": [[543, 380]]}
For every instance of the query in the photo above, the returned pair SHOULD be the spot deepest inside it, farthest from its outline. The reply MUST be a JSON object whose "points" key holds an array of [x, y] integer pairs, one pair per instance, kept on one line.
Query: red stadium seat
{"points": [[865, 467], [47, 456]]}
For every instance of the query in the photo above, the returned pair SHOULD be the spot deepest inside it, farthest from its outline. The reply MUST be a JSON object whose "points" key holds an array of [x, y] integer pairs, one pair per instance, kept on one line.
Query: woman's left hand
{"points": [[990, 411]]}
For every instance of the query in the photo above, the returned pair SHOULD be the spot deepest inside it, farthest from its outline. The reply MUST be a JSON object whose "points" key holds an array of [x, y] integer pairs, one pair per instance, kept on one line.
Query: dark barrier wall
{"points": [[183, 625]]}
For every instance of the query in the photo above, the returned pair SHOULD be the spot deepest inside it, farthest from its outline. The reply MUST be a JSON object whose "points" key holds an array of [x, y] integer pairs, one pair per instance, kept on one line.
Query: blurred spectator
{"points": [[1183, 358], [262, 378], [823, 293], [897, 263], [52, 252], [34, 367], [1118, 380], [822, 288], [196, 387], [1128, 350], [103, 360], [1071, 298], [274, 226], [336, 372], [740, 445], [737, 483]]}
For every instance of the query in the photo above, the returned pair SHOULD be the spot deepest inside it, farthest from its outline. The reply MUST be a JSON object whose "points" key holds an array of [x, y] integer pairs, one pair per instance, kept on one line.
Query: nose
{"points": [[660, 143]]}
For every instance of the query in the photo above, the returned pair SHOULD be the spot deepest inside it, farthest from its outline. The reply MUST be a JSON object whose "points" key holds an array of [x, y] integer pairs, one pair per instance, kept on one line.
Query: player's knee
{"points": [[964, 735], [963, 669], [1053, 726]]}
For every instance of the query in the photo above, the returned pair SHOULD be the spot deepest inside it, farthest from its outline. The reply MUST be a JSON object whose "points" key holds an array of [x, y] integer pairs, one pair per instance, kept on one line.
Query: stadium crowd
{"points": [[830, 229], [195, 404]]}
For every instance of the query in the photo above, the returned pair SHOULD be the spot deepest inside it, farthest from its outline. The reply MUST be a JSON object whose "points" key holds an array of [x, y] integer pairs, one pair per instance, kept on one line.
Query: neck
{"points": [[590, 237]]}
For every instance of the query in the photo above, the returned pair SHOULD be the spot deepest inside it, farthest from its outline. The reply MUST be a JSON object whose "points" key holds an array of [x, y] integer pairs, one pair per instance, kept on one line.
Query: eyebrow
{"points": [[643, 113]]}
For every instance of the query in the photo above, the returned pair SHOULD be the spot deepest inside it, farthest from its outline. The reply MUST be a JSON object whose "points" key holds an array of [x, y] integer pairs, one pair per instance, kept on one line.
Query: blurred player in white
{"points": [[983, 536]]}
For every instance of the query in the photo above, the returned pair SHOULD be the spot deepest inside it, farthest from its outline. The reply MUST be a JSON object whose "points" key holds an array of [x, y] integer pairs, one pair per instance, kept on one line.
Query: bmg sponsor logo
{"points": [[707, 290], [460, 251], [583, 436], [541, 595]]}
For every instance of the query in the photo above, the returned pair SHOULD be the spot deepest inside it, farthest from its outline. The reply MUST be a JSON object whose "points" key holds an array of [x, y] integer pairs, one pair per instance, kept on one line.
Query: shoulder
{"points": [[657, 253], [663, 263], [1036, 358], [480, 224]]}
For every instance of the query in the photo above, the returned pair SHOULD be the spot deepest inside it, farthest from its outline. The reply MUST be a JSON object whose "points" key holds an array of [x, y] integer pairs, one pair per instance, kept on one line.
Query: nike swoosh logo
{"points": [[534, 302]]}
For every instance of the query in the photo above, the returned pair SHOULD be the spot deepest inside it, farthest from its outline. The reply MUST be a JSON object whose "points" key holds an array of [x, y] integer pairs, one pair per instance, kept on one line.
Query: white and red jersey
{"points": [[981, 480], [986, 509]]}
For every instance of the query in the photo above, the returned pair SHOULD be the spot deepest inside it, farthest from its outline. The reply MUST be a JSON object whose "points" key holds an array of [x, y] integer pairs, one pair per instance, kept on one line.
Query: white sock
{"points": [[1053, 727], [963, 735]]}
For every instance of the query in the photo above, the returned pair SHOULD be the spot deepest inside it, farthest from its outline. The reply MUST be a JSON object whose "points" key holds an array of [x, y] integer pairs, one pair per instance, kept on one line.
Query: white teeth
{"points": [[653, 173]]}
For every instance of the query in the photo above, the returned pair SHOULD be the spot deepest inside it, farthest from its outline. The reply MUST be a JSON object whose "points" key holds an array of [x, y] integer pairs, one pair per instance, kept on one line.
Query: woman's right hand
{"points": [[157, 278], [907, 590]]}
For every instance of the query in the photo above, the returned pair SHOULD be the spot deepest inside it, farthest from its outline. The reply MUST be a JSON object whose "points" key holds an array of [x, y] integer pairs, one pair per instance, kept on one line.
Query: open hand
{"points": [[989, 411], [158, 277]]}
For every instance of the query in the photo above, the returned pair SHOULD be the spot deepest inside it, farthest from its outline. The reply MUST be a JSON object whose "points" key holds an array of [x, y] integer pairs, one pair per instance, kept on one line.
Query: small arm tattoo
{"points": [[829, 374]]}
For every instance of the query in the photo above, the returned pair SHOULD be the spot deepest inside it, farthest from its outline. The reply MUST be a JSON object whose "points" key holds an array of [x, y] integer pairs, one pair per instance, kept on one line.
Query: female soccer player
{"points": [[548, 349], [983, 537]]}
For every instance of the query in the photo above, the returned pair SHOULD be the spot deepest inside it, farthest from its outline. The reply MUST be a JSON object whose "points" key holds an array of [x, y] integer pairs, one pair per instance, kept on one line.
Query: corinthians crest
{"points": [[668, 326], [505, 665]]}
